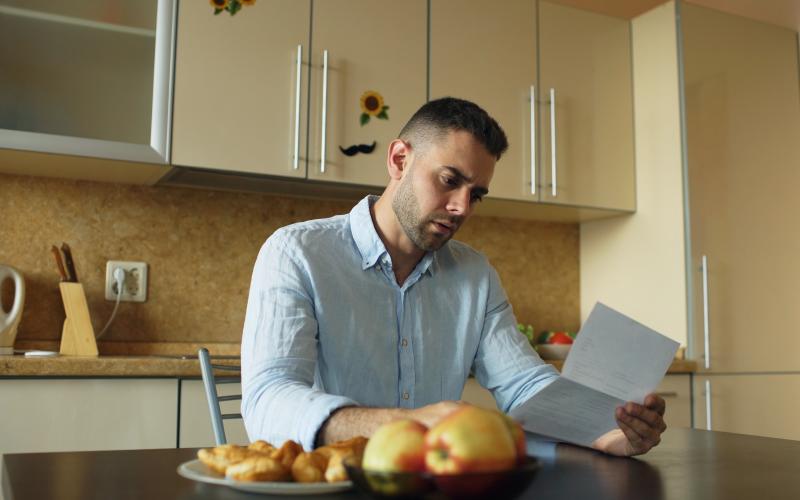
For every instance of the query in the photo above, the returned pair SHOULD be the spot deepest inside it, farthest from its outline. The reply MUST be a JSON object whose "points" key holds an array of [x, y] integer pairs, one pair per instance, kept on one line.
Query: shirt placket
{"points": [[405, 351]]}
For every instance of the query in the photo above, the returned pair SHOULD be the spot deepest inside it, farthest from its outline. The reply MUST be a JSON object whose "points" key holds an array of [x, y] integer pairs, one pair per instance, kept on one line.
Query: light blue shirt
{"points": [[328, 326]]}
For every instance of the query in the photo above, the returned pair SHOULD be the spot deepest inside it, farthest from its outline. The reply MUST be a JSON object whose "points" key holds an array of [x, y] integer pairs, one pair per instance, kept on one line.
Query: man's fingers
{"points": [[655, 403], [652, 418], [646, 432], [637, 446]]}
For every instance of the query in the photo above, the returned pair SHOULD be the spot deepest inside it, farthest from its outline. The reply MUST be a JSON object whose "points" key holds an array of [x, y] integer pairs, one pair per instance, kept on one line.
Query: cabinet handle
{"points": [[708, 404], [706, 329], [667, 394], [553, 164], [298, 77], [324, 109], [533, 140]]}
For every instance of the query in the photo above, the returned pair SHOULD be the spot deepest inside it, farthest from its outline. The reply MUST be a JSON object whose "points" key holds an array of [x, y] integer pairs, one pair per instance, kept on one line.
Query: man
{"points": [[364, 318]]}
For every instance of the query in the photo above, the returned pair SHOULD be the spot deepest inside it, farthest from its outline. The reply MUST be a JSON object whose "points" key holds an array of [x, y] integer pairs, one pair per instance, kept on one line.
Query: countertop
{"points": [[151, 359]]}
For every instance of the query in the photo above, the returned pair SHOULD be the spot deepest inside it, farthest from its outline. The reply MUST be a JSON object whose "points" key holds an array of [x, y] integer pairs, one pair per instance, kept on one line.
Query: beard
{"points": [[419, 229]]}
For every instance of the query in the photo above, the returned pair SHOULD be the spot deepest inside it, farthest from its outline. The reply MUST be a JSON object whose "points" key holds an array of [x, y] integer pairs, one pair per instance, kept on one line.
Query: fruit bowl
{"points": [[396, 485], [553, 351]]}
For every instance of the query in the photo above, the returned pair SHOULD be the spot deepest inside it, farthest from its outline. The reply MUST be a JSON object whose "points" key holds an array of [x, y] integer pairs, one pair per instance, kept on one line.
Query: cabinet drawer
{"points": [[46, 415]]}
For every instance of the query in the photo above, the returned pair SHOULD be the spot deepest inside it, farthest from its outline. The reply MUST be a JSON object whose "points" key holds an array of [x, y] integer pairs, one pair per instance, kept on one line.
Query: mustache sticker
{"points": [[358, 148]]}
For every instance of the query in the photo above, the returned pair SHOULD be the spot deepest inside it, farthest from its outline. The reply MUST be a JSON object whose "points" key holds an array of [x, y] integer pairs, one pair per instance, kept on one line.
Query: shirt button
{"points": [[404, 343], [405, 395]]}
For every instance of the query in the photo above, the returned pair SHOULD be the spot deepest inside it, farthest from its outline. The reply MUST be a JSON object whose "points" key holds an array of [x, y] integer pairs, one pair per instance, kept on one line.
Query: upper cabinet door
{"points": [[86, 78], [499, 76], [373, 80], [586, 109], [240, 95]]}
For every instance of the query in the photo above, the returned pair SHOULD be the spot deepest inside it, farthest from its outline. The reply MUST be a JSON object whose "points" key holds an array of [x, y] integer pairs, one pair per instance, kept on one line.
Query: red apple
{"points": [[560, 338], [398, 446], [472, 439]]}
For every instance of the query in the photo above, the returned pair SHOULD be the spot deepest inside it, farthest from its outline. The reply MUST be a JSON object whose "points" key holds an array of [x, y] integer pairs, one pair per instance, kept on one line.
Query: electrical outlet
{"points": [[135, 286]]}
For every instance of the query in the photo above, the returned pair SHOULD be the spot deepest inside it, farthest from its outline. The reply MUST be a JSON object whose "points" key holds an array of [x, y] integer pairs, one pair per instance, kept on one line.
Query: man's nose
{"points": [[459, 202]]}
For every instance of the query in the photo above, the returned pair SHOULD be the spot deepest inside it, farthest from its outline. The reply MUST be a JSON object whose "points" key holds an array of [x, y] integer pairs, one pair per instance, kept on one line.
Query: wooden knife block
{"points": [[77, 336]]}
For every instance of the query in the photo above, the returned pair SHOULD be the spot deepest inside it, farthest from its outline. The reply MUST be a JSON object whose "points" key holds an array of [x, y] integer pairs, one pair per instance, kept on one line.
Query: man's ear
{"points": [[398, 158]]}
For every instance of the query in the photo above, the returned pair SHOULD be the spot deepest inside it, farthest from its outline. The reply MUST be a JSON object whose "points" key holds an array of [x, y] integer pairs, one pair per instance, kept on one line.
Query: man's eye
{"points": [[450, 181]]}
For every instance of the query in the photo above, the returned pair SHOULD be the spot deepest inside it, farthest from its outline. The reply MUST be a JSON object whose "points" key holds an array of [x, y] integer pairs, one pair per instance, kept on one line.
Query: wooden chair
{"points": [[210, 383]]}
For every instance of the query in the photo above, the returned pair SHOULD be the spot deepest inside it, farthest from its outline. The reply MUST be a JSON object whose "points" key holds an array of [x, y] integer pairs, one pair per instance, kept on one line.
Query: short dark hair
{"points": [[440, 116]]}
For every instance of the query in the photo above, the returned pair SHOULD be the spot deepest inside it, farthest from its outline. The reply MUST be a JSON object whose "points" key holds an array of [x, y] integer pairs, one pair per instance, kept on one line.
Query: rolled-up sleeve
{"points": [[505, 363], [279, 351]]}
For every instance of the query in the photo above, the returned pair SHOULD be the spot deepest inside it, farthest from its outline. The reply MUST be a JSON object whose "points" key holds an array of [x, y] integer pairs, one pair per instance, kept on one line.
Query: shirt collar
{"points": [[369, 243]]}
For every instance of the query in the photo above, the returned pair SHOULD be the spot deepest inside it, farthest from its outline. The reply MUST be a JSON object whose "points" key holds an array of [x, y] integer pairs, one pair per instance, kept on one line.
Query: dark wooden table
{"points": [[689, 464]]}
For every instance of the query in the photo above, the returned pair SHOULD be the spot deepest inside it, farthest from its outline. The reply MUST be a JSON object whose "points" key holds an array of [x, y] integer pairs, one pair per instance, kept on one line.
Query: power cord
{"points": [[119, 277]]}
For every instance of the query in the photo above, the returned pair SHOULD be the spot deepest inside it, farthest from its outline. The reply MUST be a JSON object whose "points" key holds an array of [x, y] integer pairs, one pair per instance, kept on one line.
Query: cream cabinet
{"points": [[241, 88], [87, 414], [86, 80], [243, 82], [558, 80], [194, 426], [742, 129], [762, 405], [362, 46]]}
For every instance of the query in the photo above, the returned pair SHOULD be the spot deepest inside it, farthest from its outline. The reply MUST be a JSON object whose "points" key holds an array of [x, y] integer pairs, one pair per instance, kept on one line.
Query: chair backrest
{"points": [[210, 383]]}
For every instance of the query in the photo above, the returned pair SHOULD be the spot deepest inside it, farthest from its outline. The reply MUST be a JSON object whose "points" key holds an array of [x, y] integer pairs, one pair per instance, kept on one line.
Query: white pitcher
{"points": [[9, 321]]}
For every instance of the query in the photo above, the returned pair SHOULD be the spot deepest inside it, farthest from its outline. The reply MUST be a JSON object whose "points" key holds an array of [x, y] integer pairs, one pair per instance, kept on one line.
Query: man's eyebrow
{"points": [[479, 190]]}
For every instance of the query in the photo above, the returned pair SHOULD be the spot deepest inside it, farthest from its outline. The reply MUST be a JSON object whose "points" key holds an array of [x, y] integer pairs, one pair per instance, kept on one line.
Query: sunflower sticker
{"points": [[232, 6], [372, 105]]}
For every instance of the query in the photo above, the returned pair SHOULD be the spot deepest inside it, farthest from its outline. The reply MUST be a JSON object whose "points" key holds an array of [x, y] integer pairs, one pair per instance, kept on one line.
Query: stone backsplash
{"points": [[201, 245]]}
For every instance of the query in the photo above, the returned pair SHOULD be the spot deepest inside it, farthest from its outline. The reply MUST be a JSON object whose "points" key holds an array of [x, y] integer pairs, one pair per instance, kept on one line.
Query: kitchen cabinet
{"points": [[90, 79], [195, 422], [714, 227], [558, 80], [762, 405], [742, 127], [87, 414], [241, 84], [248, 109], [363, 57], [676, 389]]}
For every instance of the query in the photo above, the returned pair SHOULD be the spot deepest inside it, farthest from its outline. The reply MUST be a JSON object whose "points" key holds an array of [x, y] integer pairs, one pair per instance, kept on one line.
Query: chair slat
{"points": [[210, 383]]}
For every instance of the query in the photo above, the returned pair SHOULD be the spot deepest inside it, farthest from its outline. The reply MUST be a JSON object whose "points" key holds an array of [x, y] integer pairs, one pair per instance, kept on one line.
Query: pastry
{"points": [[221, 457], [287, 453], [259, 467], [309, 467]]}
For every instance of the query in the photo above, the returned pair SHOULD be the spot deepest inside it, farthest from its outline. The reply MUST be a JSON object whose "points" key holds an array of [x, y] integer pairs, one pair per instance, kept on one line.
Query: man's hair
{"points": [[437, 118]]}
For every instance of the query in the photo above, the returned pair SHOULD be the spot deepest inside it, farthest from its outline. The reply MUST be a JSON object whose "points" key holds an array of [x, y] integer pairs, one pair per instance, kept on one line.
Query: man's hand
{"points": [[640, 428], [431, 414]]}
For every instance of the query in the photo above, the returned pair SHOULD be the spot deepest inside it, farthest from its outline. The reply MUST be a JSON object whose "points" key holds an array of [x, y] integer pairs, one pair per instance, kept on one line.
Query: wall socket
{"points": [[135, 287]]}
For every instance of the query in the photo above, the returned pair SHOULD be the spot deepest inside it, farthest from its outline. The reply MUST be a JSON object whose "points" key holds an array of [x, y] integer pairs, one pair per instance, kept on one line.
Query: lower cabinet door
{"points": [[761, 405], [43, 415], [476, 395], [195, 422], [676, 389]]}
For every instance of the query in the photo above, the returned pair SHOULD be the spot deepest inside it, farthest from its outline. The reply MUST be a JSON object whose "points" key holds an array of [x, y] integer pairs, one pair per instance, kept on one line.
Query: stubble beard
{"points": [[406, 209]]}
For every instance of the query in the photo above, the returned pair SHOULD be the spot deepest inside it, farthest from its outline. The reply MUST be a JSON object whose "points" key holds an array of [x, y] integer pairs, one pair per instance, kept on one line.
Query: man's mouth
{"points": [[445, 228]]}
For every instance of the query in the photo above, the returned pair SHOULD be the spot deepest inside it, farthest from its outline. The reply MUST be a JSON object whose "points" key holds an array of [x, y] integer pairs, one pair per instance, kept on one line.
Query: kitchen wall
{"points": [[201, 246]]}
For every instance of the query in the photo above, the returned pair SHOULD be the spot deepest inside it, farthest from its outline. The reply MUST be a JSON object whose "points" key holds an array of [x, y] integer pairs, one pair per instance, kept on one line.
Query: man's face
{"points": [[441, 185]]}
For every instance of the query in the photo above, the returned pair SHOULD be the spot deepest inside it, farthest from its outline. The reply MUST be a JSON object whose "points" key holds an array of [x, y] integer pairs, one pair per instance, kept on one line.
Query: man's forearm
{"points": [[349, 422], [352, 421]]}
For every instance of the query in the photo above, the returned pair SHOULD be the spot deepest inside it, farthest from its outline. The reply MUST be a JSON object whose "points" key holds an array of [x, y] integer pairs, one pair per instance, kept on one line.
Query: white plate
{"points": [[197, 471]]}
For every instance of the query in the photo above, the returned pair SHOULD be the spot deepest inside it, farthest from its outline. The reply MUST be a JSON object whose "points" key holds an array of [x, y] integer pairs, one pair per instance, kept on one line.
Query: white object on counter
{"points": [[41, 354]]}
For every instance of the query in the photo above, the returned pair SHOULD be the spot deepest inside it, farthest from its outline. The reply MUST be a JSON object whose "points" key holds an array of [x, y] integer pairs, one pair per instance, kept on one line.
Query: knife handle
{"points": [[59, 262], [72, 276]]}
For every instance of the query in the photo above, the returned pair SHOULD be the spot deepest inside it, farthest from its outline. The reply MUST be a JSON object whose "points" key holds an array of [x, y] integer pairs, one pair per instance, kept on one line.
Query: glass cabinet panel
{"points": [[95, 70]]}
